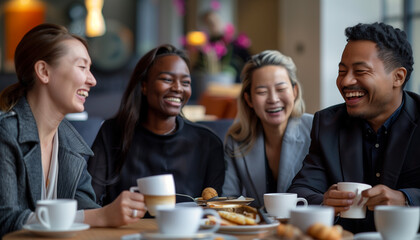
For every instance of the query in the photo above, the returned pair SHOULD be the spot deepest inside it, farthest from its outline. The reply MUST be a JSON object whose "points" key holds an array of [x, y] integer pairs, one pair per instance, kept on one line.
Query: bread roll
{"points": [[208, 193], [290, 232], [323, 232]]}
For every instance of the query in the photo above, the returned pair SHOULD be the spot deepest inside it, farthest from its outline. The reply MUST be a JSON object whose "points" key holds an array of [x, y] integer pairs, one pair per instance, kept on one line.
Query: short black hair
{"points": [[393, 47]]}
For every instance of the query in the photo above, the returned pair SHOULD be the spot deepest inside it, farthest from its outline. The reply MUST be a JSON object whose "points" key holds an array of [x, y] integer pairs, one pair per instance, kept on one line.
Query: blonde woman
{"points": [[270, 137]]}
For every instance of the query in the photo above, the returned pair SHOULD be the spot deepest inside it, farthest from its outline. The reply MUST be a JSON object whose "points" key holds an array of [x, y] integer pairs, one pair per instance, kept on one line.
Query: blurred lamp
{"points": [[95, 23], [20, 17], [196, 38]]}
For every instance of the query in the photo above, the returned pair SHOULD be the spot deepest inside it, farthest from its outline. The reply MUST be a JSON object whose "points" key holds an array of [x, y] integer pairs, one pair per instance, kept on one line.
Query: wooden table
{"points": [[113, 233]]}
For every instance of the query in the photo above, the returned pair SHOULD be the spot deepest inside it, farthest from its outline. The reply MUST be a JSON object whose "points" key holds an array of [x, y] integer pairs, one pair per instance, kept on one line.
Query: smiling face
{"points": [[370, 92], [70, 79], [272, 95], [168, 86]]}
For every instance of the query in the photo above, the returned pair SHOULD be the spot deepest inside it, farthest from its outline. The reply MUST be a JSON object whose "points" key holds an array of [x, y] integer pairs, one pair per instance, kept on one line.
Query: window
{"points": [[405, 14]]}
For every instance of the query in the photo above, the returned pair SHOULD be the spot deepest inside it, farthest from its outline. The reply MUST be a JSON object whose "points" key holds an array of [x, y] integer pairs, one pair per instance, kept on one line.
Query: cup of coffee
{"points": [[57, 214], [356, 210], [397, 222], [157, 190], [184, 221], [278, 205], [304, 217]]}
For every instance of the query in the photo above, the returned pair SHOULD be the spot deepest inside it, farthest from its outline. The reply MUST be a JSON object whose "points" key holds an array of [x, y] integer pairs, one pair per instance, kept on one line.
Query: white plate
{"points": [[374, 236], [40, 230], [225, 200], [244, 229], [160, 236]]}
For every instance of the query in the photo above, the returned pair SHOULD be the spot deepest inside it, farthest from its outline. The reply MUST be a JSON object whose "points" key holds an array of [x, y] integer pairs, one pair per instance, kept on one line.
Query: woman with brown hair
{"points": [[149, 135], [41, 153], [269, 139]]}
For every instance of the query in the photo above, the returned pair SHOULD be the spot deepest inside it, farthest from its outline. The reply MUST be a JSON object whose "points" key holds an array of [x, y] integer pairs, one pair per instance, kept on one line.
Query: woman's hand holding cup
{"points": [[119, 212]]}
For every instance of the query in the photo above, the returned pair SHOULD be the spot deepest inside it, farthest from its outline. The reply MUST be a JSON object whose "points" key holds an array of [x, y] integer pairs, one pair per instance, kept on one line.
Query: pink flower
{"points": [[243, 41], [207, 48], [179, 6], [183, 41], [229, 33], [215, 5], [220, 49]]}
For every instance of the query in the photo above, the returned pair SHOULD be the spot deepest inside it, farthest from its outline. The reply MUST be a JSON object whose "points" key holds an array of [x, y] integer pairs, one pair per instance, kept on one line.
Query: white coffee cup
{"points": [[304, 217], [57, 214], [279, 204], [183, 221], [356, 210], [157, 190], [397, 222]]}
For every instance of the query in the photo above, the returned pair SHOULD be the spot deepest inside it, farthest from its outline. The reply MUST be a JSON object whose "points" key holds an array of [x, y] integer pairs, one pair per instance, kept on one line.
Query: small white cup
{"points": [[304, 217], [279, 204], [157, 190], [397, 222], [184, 221], [57, 214], [356, 211]]}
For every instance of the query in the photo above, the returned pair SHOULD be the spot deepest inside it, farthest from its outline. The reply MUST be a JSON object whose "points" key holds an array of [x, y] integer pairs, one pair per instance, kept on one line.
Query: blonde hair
{"points": [[247, 125]]}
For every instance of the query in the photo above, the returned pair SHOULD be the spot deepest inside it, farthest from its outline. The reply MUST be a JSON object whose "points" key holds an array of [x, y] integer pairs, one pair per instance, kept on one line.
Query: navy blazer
{"points": [[21, 168], [336, 155], [246, 174]]}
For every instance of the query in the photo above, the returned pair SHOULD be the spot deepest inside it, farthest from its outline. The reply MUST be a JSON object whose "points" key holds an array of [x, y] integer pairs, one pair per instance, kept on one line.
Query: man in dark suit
{"points": [[374, 136]]}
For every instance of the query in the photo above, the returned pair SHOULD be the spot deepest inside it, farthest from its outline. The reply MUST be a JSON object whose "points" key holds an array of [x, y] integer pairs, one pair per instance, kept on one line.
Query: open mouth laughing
{"points": [[83, 93], [173, 99], [353, 97], [275, 110], [358, 94]]}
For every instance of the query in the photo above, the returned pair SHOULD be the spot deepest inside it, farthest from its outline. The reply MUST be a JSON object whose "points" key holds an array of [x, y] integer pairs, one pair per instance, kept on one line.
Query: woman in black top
{"points": [[149, 136]]}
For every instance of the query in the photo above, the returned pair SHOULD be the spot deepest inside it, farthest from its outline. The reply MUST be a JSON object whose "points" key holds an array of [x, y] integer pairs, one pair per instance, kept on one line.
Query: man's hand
{"points": [[383, 195], [341, 201]]}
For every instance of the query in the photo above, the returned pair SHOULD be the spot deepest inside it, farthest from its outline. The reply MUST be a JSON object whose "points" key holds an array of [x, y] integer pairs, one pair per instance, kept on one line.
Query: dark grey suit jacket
{"points": [[21, 169], [245, 175], [336, 155]]}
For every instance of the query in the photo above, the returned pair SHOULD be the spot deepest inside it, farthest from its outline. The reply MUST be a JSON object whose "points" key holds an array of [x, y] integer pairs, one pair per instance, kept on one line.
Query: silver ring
{"points": [[134, 214]]}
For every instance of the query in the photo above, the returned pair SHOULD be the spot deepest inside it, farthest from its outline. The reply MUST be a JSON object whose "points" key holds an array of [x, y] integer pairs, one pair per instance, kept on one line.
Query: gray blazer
{"points": [[21, 169], [245, 175]]}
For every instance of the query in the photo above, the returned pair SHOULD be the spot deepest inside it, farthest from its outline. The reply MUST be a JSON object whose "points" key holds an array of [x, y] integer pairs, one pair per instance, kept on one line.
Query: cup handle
{"points": [[42, 216], [134, 189], [215, 227], [305, 203]]}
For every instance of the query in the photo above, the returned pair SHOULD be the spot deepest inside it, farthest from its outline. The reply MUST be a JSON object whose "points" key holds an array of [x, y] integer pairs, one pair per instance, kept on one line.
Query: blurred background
{"points": [[218, 34]]}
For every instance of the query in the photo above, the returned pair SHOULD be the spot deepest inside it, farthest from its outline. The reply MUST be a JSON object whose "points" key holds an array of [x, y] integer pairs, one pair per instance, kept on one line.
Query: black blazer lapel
{"points": [[351, 151], [399, 141]]}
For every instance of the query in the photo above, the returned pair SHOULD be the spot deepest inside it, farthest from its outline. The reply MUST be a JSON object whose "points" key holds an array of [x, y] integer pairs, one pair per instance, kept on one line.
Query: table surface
{"points": [[142, 225]]}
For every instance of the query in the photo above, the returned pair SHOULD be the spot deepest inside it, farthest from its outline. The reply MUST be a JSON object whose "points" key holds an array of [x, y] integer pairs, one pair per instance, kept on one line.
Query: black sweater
{"points": [[193, 154]]}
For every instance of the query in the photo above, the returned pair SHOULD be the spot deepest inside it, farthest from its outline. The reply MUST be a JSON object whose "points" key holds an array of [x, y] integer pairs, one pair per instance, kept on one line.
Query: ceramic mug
{"points": [[304, 217], [357, 210], [57, 214], [279, 204], [157, 190], [184, 220], [397, 222]]}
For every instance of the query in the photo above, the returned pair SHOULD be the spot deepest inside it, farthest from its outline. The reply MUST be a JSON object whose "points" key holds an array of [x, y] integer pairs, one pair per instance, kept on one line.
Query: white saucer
{"points": [[161, 236], [374, 236], [186, 204], [40, 230], [367, 236]]}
